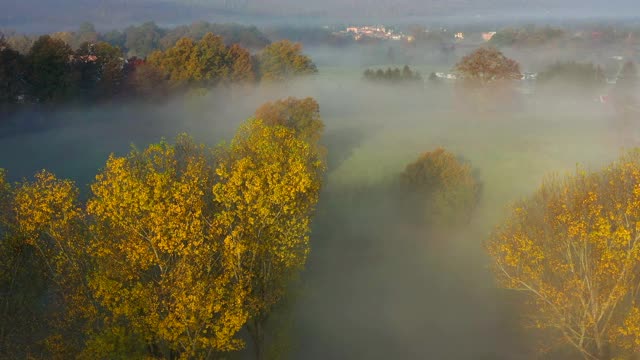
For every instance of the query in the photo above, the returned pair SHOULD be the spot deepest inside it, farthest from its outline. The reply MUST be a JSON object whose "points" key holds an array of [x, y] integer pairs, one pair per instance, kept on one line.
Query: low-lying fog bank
{"points": [[376, 285]]}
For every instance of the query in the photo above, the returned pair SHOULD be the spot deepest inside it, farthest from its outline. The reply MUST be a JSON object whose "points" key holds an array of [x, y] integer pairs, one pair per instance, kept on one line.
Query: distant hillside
{"points": [[48, 15]]}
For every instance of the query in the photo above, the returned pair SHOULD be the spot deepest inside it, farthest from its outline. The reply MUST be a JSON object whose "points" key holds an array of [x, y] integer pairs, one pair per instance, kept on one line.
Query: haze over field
{"points": [[376, 284], [455, 185]]}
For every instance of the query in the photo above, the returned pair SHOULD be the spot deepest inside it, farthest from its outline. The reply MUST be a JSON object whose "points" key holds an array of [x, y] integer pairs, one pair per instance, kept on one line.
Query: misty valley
{"points": [[215, 190]]}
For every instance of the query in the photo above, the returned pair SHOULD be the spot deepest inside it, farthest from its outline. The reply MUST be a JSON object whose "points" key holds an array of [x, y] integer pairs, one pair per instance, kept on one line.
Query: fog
{"points": [[377, 285]]}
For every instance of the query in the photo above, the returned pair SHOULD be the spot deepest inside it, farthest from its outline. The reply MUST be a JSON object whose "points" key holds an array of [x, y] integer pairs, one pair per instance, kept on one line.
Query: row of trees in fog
{"points": [[141, 40], [51, 72], [488, 68], [176, 250], [393, 76]]}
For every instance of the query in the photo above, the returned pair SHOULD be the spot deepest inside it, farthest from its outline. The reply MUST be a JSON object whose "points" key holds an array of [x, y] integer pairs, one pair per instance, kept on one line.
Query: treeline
{"points": [[141, 40], [586, 76], [528, 36], [51, 72], [393, 76], [588, 35], [178, 248], [489, 66]]}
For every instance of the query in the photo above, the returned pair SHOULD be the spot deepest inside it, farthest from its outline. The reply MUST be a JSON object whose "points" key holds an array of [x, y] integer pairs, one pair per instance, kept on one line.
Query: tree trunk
{"points": [[256, 331], [602, 348]]}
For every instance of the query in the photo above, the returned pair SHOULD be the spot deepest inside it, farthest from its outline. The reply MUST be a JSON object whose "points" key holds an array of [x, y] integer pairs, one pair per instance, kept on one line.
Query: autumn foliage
{"points": [[177, 248], [282, 60], [444, 185], [300, 115], [486, 80], [574, 249], [487, 65]]}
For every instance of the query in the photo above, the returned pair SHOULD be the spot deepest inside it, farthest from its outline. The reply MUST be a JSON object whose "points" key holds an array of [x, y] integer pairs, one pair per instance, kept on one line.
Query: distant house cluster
{"points": [[372, 32], [380, 32]]}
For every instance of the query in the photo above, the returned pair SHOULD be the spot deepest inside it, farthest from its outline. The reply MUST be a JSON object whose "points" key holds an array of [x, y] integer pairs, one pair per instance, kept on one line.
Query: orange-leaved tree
{"points": [[486, 76], [487, 65]]}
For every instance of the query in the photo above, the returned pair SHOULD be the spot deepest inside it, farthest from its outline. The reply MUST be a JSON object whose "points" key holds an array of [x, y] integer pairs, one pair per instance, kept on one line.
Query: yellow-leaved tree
{"points": [[269, 183], [445, 186], [50, 220], [574, 249], [159, 259], [301, 115]]}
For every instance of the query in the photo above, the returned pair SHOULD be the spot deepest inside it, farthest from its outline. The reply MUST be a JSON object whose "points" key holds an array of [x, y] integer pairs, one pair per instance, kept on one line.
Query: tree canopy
{"points": [[487, 65], [177, 249], [300, 115], [573, 249], [444, 186], [393, 76], [284, 59], [582, 76]]}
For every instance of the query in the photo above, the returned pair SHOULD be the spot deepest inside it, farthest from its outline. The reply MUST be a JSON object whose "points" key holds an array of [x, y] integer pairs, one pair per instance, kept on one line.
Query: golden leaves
{"points": [[268, 187], [574, 247], [153, 211], [177, 246]]}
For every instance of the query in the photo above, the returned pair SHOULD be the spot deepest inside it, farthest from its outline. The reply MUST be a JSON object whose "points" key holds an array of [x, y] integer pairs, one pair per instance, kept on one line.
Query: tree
{"points": [[110, 61], [487, 65], [527, 37], [395, 75], [115, 38], [86, 34], [50, 222], [244, 67], [160, 263], [444, 186], [584, 77], [244, 36], [21, 283], [20, 43], [269, 182], [142, 40], [573, 249], [208, 62], [300, 115], [49, 75], [66, 36], [145, 81], [284, 59], [99, 70], [213, 61], [12, 75]]}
